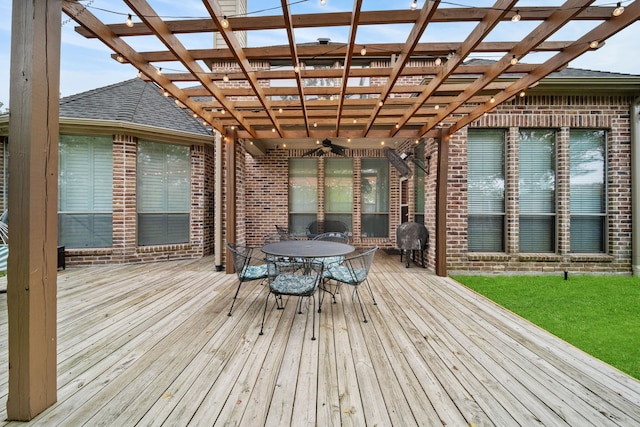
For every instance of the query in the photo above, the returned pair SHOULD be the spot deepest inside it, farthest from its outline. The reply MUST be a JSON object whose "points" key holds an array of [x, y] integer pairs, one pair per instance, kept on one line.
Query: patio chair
{"points": [[283, 231], [248, 267], [295, 282], [332, 236], [353, 271]]}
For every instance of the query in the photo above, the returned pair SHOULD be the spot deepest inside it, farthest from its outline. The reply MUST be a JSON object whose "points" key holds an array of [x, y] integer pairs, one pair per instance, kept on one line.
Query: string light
{"points": [[296, 68], [618, 10], [492, 100], [323, 2], [594, 44], [438, 62], [280, 110], [139, 75], [514, 60], [380, 103], [363, 51], [315, 124], [120, 58], [517, 17], [225, 78], [165, 93], [437, 107], [129, 21], [414, 4], [159, 71], [224, 22], [522, 94]]}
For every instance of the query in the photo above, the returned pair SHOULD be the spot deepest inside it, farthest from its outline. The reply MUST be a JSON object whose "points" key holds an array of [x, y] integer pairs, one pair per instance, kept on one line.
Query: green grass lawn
{"points": [[598, 314]]}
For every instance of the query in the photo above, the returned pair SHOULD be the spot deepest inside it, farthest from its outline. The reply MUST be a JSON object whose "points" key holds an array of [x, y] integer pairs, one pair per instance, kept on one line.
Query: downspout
{"points": [[635, 187], [217, 214]]}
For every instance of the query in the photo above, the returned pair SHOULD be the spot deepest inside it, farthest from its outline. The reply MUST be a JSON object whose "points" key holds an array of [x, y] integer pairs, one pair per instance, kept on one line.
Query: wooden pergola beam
{"points": [[424, 17], [611, 26], [340, 19], [337, 51], [295, 62], [241, 59], [484, 27], [353, 29], [557, 19]]}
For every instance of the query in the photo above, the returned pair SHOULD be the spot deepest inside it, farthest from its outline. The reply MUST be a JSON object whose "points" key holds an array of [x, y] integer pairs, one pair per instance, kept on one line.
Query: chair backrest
{"points": [[276, 237], [240, 256], [333, 236], [282, 230], [360, 264]]}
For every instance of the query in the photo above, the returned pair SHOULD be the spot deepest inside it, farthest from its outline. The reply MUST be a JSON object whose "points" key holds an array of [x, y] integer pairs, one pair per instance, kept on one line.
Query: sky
{"points": [[86, 63]]}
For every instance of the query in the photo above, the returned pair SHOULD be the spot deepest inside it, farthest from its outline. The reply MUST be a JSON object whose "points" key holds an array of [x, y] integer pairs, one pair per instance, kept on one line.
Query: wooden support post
{"points": [[441, 204], [33, 206], [229, 142]]}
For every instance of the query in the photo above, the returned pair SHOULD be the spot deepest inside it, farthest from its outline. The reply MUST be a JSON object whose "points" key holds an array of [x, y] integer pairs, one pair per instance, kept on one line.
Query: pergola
{"points": [[451, 93], [231, 86]]}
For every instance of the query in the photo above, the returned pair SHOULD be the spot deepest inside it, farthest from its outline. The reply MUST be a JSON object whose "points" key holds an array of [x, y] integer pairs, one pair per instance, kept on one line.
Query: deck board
{"points": [[152, 345]]}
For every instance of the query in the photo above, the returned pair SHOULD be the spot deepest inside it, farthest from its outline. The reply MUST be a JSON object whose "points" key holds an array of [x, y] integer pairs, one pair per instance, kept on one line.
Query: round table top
{"points": [[307, 248]]}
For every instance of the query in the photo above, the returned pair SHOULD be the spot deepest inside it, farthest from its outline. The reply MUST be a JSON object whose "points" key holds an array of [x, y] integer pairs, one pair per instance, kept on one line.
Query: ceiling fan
{"points": [[327, 147]]}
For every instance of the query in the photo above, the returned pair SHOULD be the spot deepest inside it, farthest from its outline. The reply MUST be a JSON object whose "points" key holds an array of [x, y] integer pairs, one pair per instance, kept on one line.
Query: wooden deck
{"points": [[151, 344]]}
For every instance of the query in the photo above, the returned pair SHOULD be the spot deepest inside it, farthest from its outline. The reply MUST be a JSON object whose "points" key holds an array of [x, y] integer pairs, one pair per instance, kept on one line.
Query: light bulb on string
{"points": [[618, 10], [517, 17], [225, 22], [129, 21], [363, 51], [514, 60], [225, 78], [323, 2], [438, 61], [414, 4]]}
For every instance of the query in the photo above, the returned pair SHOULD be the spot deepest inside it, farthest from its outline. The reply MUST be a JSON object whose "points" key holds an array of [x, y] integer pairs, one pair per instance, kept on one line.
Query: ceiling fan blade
{"points": [[337, 149], [311, 152]]}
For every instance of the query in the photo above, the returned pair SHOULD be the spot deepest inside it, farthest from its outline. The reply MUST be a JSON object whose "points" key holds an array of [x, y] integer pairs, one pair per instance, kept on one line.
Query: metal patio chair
{"points": [[353, 271], [295, 282], [248, 267]]}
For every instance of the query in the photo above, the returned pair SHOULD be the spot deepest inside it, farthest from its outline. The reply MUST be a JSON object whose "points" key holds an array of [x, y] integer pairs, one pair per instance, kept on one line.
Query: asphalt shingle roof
{"points": [[133, 101]]}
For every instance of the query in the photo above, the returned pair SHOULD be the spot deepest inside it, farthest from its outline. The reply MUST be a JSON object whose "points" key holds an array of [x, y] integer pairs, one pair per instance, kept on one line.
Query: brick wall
{"points": [[561, 113], [125, 248]]}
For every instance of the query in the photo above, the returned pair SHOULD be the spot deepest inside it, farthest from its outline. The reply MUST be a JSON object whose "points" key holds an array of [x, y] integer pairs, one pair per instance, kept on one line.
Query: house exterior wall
{"points": [[125, 248], [562, 113]]}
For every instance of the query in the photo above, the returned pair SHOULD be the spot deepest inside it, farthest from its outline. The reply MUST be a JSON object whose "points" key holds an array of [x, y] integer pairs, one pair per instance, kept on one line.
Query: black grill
{"points": [[414, 237]]}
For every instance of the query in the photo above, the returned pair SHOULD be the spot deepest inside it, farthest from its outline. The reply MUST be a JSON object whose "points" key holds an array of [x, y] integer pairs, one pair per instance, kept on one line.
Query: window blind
{"points": [[537, 185], [587, 190], [486, 189]]}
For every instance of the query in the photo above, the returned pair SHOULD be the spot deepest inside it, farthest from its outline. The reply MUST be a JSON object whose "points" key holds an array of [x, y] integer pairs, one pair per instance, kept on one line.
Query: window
{"points": [[486, 163], [537, 163], [303, 194], [338, 190], [164, 193], [85, 191], [588, 191], [419, 178], [375, 198]]}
